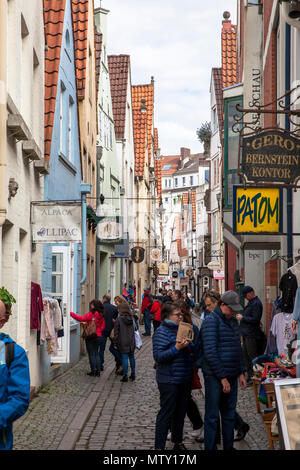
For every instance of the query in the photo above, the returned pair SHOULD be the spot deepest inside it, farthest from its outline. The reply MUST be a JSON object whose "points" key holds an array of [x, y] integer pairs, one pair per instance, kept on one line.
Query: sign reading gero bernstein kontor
{"points": [[257, 210], [272, 157]]}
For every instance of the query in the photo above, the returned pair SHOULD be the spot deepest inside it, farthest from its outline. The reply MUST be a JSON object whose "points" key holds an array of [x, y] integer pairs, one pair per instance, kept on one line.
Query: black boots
{"points": [[124, 378], [132, 377]]}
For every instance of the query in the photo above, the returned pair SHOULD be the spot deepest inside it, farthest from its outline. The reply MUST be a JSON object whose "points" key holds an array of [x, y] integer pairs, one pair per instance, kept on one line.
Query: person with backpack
{"points": [[145, 310], [14, 383], [124, 339]]}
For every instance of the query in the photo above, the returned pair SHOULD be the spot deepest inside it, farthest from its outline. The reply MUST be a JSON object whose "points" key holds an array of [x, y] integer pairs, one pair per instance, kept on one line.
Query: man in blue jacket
{"points": [[250, 328], [14, 385], [223, 367]]}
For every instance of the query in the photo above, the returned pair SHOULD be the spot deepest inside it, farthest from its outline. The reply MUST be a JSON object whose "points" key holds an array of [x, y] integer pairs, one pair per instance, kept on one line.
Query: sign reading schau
{"points": [[56, 222]]}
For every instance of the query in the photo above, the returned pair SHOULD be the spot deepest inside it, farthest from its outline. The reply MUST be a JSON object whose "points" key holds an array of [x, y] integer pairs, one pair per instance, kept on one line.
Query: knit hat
{"points": [[231, 299], [246, 290]]}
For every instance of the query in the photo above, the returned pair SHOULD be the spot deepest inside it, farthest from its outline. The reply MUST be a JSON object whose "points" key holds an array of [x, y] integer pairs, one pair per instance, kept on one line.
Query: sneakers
{"points": [[124, 378], [169, 436], [241, 432]]}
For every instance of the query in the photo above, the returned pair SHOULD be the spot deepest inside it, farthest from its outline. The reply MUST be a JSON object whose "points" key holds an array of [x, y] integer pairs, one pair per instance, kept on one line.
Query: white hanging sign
{"points": [[56, 222]]}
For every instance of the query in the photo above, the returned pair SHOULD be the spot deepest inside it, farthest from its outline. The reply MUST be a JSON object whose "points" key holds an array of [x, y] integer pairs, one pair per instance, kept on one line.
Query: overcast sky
{"points": [[178, 42]]}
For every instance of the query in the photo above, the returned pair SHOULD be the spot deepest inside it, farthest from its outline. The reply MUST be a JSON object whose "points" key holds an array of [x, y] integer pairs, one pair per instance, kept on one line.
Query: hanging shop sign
{"points": [[163, 269], [174, 274], [257, 210], [181, 274], [109, 229], [219, 274], [155, 254], [271, 157], [189, 272], [138, 254], [56, 222]]}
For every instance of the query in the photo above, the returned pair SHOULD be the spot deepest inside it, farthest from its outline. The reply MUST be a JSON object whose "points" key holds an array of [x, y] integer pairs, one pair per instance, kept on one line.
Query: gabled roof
{"points": [[119, 67], [217, 79], [142, 124], [54, 13], [80, 18], [229, 54]]}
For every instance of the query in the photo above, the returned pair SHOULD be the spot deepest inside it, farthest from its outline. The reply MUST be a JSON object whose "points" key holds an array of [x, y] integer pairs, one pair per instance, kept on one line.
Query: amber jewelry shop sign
{"points": [[272, 157], [56, 223]]}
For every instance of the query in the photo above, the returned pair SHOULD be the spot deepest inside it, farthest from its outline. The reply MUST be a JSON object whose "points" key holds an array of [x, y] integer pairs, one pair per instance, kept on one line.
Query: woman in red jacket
{"points": [[156, 311], [93, 345]]}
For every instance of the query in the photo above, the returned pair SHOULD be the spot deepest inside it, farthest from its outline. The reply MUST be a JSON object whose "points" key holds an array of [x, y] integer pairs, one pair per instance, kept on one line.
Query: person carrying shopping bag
{"points": [[124, 339], [94, 318]]}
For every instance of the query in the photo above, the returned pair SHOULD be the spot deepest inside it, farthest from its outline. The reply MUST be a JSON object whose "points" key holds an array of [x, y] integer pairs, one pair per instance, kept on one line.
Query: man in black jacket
{"points": [[110, 315], [250, 328]]}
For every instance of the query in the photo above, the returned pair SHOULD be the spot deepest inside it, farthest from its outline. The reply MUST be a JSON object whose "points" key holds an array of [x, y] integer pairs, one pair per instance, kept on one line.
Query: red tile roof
{"points": [[217, 79], [119, 67], [54, 12], [142, 124], [80, 31], [229, 54]]}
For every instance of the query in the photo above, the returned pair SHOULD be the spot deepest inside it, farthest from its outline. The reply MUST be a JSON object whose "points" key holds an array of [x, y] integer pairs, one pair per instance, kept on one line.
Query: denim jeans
{"points": [[147, 322], [102, 350], [216, 401], [125, 358], [93, 347], [173, 406], [115, 353]]}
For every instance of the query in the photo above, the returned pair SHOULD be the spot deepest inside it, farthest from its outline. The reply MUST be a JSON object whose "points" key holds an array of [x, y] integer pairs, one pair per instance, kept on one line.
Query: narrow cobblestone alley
{"points": [[86, 413]]}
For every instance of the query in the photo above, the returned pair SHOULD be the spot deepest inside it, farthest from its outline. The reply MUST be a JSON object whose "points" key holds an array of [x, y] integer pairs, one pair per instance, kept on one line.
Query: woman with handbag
{"points": [[192, 410], [174, 373], [92, 334], [124, 339]]}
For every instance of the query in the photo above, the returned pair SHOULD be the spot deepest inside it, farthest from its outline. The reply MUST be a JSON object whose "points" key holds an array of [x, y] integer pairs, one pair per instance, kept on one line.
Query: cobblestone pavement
{"points": [[79, 412]]}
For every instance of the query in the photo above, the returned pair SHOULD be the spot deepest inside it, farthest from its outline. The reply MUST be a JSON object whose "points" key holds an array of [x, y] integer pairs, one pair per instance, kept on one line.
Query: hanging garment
{"points": [[288, 285], [36, 306], [296, 316], [282, 329], [271, 347], [48, 332], [296, 271]]}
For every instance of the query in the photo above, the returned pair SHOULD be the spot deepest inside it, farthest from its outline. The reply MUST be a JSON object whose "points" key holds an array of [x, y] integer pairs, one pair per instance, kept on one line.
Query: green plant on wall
{"points": [[6, 297]]}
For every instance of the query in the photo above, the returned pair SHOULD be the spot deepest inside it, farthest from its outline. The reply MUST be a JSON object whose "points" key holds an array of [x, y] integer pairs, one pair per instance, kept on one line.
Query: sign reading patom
{"points": [[56, 222], [272, 157]]}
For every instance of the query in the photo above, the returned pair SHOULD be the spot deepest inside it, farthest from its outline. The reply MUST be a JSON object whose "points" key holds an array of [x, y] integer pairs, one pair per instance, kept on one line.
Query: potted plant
{"points": [[7, 299]]}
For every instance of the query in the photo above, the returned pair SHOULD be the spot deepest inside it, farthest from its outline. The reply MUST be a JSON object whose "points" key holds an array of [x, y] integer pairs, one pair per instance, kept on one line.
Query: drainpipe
{"points": [[3, 118], [287, 126], [84, 189]]}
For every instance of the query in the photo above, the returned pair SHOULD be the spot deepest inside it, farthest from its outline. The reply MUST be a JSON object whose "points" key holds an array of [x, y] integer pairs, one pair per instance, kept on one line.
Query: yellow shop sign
{"points": [[257, 210]]}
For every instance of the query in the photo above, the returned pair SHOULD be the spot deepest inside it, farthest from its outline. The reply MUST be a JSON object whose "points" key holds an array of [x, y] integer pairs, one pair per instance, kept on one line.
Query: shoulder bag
{"points": [[89, 330]]}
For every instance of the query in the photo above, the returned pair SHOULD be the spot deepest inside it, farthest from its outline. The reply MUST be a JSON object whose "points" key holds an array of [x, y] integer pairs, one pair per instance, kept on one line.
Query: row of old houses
{"points": [[255, 93], [77, 137]]}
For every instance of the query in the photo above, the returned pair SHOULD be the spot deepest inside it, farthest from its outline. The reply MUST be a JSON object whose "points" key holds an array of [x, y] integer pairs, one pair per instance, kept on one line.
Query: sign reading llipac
{"points": [[54, 222], [272, 156], [257, 210]]}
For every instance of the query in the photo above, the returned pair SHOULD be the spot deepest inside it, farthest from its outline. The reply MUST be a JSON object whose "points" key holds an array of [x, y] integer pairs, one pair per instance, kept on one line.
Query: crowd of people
{"points": [[223, 348]]}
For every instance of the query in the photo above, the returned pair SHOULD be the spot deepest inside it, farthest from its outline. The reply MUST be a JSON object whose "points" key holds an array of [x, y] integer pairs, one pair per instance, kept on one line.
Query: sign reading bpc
{"points": [[257, 210]]}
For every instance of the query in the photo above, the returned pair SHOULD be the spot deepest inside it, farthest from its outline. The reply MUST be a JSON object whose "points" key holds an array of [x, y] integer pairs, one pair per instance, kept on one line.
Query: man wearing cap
{"points": [[250, 328], [145, 309], [223, 367]]}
